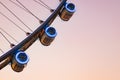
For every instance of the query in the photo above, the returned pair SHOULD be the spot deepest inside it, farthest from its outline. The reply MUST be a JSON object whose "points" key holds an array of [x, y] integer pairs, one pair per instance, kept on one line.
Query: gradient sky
{"points": [[86, 48]]}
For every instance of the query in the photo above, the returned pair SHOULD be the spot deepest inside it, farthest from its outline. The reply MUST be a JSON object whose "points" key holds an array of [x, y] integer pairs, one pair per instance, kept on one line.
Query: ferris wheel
{"points": [[46, 34]]}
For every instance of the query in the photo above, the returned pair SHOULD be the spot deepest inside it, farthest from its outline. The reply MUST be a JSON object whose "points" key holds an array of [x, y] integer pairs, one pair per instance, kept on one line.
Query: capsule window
{"points": [[51, 32], [22, 58], [70, 7]]}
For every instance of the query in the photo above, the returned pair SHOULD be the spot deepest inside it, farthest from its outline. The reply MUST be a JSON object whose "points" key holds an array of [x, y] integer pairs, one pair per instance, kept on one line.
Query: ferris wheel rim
{"points": [[28, 41]]}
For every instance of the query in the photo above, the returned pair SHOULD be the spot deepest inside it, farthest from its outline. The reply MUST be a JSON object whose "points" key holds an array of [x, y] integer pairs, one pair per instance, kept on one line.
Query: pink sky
{"points": [[87, 47]]}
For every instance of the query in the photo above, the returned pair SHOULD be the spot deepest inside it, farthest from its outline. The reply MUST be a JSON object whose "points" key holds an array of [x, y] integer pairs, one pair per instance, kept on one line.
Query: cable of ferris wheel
{"points": [[15, 16], [8, 35], [13, 22], [41, 21], [44, 5], [24, 44]]}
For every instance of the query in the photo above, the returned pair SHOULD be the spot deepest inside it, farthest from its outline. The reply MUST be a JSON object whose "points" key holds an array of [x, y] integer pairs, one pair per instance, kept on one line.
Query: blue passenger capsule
{"points": [[67, 12], [19, 61], [48, 36]]}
